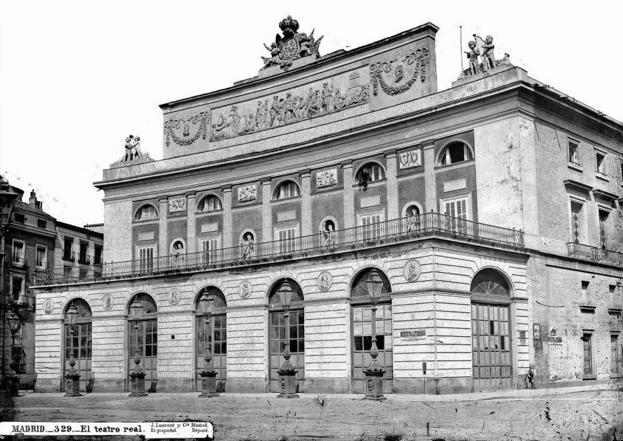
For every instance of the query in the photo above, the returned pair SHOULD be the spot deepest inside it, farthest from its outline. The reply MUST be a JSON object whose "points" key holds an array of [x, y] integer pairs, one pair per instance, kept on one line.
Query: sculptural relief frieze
{"points": [[400, 73], [199, 123], [299, 104]]}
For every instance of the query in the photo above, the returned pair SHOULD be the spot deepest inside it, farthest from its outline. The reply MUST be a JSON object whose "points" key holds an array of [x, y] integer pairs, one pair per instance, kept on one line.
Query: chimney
{"points": [[33, 202]]}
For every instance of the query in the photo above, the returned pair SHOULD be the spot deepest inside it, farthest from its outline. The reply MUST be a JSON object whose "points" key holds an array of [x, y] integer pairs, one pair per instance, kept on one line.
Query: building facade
{"points": [[490, 210]]}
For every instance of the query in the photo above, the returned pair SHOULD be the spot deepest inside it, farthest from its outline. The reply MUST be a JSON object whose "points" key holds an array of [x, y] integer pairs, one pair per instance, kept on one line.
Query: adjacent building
{"points": [[491, 210]]}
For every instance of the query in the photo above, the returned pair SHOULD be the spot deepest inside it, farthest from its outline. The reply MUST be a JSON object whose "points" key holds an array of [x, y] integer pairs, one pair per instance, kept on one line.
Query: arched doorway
{"points": [[143, 338], [78, 341], [212, 335], [277, 333], [491, 342], [361, 311]]}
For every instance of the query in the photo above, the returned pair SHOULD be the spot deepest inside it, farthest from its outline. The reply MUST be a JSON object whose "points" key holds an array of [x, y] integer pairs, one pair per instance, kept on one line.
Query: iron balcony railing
{"points": [[374, 234], [595, 254]]}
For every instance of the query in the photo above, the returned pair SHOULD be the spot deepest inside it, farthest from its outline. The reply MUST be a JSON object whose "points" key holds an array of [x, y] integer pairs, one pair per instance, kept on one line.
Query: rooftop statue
{"points": [[293, 45], [481, 56], [132, 148]]}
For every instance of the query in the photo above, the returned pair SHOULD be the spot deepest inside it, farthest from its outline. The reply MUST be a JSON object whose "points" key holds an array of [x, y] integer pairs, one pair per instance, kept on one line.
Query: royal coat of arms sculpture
{"points": [[293, 45]]}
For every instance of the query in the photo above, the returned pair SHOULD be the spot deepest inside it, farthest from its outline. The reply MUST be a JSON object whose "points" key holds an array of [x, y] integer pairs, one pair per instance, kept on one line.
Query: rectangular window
{"points": [[97, 255], [19, 217], [573, 153], [146, 259], [616, 359], [83, 258], [67, 272], [587, 340], [603, 220], [576, 221], [600, 159], [17, 288], [371, 227], [287, 243], [68, 243], [41, 257], [209, 249], [456, 215], [17, 255]]}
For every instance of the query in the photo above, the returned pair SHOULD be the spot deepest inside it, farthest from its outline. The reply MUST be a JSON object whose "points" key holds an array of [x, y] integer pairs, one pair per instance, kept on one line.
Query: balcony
{"points": [[594, 254], [394, 231]]}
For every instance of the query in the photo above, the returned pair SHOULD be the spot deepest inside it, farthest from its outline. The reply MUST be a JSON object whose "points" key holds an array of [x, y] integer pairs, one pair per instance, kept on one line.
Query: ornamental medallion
{"points": [[107, 302], [412, 270], [324, 281], [47, 306], [174, 297], [244, 290]]}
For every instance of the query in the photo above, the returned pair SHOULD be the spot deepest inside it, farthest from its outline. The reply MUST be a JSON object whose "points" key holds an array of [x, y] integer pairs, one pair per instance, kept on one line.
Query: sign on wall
{"points": [[413, 334]]}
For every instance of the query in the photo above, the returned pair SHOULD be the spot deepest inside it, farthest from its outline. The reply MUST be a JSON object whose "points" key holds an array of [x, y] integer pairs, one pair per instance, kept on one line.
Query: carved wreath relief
{"points": [[298, 104], [185, 138], [399, 74]]}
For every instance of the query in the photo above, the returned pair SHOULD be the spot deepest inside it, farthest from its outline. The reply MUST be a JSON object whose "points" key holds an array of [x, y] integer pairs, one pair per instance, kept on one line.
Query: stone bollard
{"points": [[72, 383], [374, 384], [137, 378]]}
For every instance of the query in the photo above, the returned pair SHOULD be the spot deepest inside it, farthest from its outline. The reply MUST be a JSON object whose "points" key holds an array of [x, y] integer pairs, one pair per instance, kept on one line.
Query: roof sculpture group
{"points": [[481, 56], [293, 45]]}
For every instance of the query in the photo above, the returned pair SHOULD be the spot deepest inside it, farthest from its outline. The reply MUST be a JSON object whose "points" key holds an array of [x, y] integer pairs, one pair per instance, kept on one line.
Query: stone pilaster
{"points": [[227, 226], [393, 211], [428, 152], [267, 219], [349, 209], [191, 230], [306, 214], [163, 240]]}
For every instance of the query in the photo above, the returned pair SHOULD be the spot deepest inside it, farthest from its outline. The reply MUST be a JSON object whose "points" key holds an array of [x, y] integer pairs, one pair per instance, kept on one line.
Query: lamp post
{"points": [[137, 374], [12, 380], [374, 373], [72, 385], [8, 196], [287, 373], [208, 375]]}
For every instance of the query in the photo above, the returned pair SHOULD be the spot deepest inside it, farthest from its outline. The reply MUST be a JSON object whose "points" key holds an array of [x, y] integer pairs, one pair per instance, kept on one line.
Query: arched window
{"points": [[295, 333], [361, 310], [286, 190], [143, 338], [146, 212], [491, 341], [212, 336], [370, 172], [78, 341], [455, 151], [209, 203]]}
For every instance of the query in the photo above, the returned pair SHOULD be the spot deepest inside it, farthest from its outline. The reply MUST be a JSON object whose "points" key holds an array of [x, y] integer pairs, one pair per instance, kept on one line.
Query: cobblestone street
{"points": [[579, 413]]}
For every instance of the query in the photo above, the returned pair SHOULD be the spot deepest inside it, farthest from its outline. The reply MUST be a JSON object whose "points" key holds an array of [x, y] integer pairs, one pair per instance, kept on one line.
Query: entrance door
{"points": [[277, 345], [491, 352], [78, 346], [145, 341], [362, 343]]}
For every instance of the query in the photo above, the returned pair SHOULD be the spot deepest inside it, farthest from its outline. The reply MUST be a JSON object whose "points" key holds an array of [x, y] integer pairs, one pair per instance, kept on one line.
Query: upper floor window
{"points": [[42, 224], [17, 255], [455, 151], [287, 190], [83, 257], [573, 154], [68, 243], [577, 222], [41, 258], [603, 222], [210, 203], [368, 173], [146, 212], [97, 255], [600, 159], [19, 217]]}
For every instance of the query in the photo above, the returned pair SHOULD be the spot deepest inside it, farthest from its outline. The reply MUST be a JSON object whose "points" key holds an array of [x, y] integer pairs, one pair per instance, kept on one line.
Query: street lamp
{"points": [[8, 196], [137, 375], [72, 386], [374, 373], [12, 380], [208, 375], [287, 373]]}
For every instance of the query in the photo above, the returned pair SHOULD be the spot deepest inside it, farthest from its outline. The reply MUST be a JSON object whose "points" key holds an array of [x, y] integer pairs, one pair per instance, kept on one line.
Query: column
{"points": [[163, 240], [191, 230], [393, 211], [306, 210], [428, 152], [349, 209], [267, 219], [227, 226]]}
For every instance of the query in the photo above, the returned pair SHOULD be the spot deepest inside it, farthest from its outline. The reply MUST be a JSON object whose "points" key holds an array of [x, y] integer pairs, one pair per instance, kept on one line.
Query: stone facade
{"points": [[462, 199]]}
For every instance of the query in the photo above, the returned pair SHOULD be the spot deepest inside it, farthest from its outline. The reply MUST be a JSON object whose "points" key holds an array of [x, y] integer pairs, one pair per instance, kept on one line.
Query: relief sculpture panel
{"points": [[400, 73], [180, 130], [298, 104]]}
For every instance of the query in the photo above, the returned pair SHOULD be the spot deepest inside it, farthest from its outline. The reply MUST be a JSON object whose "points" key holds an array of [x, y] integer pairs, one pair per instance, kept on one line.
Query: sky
{"points": [[76, 77]]}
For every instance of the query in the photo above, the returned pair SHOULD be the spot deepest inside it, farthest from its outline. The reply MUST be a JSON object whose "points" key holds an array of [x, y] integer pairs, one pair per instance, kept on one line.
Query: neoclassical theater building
{"points": [[491, 210]]}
